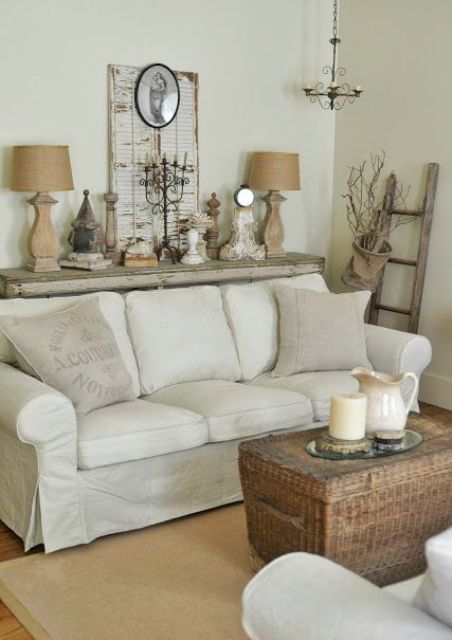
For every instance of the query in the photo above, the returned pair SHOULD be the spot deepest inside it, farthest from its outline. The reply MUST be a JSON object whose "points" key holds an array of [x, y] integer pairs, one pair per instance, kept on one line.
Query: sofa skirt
{"points": [[115, 498]]}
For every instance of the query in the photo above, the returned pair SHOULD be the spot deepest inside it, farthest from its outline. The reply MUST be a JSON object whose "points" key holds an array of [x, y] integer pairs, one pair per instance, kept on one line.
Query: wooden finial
{"points": [[212, 234], [111, 231], [213, 203]]}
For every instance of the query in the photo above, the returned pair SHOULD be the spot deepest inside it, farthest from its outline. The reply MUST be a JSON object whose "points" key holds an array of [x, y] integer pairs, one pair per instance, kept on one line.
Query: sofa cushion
{"points": [[253, 315], [111, 304], [75, 352], [234, 410], [135, 430], [320, 331], [180, 335], [318, 386], [405, 590]]}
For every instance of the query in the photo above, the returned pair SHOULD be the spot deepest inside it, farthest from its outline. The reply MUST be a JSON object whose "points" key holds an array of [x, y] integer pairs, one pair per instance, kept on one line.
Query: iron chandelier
{"points": [[334, 95]]}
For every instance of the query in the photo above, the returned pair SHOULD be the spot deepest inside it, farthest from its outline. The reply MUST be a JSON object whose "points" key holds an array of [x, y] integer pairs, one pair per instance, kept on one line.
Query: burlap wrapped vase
{"points": [[364, 267]]}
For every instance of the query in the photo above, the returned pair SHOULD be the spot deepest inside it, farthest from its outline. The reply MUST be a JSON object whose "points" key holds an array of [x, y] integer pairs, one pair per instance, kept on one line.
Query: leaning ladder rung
{"points": [[409, 263], [384, 307], [425, 214], [406, 212]]}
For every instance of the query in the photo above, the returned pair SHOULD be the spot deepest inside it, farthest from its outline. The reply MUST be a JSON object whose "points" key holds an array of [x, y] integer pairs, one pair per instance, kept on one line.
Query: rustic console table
{"points": [[20, 283]]}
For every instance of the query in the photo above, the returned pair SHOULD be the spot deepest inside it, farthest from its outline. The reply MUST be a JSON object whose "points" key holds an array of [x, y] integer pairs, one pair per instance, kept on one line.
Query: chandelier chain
{"points": [[335, 19]]}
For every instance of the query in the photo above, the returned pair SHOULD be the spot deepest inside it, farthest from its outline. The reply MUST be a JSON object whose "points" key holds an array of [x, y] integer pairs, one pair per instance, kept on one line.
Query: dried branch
{"points": [[366, 204]]}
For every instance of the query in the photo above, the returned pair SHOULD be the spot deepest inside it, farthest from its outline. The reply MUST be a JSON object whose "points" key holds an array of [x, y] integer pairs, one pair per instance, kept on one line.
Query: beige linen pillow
{"points": [[320, 331], [74, 351]]}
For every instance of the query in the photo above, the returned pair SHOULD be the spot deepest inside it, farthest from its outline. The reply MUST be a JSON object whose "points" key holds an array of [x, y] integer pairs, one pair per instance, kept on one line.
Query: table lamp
{"points": [[275, 172], [42, 168]]}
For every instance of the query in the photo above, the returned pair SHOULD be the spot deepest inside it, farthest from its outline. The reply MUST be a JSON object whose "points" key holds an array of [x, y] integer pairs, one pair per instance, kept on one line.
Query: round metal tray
{"points": [[411, 439]]}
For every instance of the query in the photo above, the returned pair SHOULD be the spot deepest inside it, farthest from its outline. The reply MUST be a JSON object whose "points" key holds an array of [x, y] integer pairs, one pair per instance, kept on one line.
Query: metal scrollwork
{"points": [[164, 184]]}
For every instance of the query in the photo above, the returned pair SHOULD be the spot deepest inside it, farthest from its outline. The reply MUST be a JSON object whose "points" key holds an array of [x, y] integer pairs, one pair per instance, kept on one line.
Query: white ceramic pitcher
{"points": [[386, 410]]}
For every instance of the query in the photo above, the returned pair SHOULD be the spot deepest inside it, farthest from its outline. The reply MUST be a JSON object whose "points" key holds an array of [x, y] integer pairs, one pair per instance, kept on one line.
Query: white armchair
{"points": [[301, 596]]}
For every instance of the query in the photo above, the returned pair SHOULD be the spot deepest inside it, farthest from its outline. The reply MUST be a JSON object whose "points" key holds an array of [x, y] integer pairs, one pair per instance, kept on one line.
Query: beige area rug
{"points": [[179, 580]]}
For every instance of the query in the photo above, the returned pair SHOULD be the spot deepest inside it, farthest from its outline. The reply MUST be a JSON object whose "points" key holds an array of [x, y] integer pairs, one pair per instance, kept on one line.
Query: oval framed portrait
{"points": [[157, 95]]}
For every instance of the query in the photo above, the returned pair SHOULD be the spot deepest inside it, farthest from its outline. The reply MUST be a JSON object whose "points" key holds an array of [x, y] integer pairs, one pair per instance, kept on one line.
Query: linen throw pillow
{"points": [[435, 593], [75, 352], [320, 331]]}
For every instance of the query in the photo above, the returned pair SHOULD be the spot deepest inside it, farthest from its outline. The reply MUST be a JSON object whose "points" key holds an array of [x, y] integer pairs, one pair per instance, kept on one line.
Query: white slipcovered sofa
{"points": [[200, 359]]}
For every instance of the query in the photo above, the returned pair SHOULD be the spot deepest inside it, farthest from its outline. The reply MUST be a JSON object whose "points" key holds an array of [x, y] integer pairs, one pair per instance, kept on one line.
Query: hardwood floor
{"points": [[11, 547]]}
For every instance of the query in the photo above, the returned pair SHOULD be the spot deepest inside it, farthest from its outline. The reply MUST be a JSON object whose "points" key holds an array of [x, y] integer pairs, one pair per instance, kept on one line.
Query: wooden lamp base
{"points": [[43, 243], [273, 233]]}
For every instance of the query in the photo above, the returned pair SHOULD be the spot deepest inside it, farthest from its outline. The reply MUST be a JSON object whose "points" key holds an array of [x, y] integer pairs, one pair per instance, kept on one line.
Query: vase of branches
{"points": [[371, 225]]}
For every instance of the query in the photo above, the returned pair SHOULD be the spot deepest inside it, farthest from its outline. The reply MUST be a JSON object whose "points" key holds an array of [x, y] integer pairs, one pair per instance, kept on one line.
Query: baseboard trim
{"points": [[436, 390]]}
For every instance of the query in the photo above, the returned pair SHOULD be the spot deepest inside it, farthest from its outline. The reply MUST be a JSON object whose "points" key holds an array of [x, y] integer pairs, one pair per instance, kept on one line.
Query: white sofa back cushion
{"points": [[111, 304], [180, 335], [253, 315]]}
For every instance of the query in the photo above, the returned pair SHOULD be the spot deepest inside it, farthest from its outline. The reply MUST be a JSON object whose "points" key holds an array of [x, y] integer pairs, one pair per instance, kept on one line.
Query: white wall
{"points": [[250, 56], [400, 52]]}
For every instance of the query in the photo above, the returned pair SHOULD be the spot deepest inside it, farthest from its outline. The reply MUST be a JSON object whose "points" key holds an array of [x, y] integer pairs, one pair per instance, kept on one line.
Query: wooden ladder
{"points": [[420, 264]]}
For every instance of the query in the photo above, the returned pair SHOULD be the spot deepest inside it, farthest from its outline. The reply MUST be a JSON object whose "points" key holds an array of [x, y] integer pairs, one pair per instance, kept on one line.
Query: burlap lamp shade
{"points": [[274, 171], [42, 168]]}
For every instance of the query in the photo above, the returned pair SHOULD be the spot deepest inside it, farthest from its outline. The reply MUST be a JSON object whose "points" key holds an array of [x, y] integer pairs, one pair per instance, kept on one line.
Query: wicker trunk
{"points": [[371, 516]]}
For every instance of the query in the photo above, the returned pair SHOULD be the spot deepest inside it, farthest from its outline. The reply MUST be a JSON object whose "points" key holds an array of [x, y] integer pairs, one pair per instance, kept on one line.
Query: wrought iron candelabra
{"points": [[164, 184]]}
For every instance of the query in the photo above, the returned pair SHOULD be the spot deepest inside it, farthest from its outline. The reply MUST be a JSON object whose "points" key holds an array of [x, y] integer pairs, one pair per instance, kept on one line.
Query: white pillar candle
{"points": [[348, 416]]}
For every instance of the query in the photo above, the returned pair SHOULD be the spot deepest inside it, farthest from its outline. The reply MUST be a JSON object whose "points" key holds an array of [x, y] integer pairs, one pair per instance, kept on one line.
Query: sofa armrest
{"points": [[42, 499], [393, 351], [305, 596], [33, 412]]}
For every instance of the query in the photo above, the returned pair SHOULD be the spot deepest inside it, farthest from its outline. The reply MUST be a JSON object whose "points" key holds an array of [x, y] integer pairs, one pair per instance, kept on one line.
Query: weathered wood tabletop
{"points": [[20, 283]]}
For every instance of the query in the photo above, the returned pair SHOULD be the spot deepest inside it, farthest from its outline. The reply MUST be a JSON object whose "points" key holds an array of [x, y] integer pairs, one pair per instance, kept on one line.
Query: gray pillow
{"points": [[73, 351], [320, 331]]}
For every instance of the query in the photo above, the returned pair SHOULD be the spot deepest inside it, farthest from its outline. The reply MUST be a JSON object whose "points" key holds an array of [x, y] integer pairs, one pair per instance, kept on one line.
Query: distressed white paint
{"points": [[133, 143], [242, 244]]}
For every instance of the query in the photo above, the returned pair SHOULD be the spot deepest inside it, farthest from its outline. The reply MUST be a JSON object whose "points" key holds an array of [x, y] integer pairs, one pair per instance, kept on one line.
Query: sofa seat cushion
{"points": [[233, 410], [318, 386], [134, 430]]}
